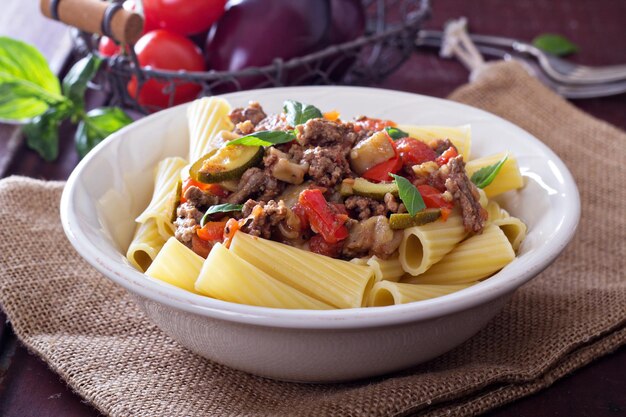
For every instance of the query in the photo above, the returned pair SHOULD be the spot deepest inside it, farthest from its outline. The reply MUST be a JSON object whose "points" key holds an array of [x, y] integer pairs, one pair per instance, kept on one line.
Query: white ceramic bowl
{"points": [[113, 184]]}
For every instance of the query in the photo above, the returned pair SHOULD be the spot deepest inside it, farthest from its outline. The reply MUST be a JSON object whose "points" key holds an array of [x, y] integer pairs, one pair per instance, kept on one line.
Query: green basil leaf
{"points": [[75, 82], [97, 125], [395, 133], [409, 195], [298, 113], [264, 138], [485, 176], [220, 208], [42, 134], [27, 86], [555, 44]]}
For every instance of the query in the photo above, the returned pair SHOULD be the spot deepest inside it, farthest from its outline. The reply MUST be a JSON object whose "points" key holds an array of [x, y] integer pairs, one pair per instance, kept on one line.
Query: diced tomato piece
{"points": [[380, 172], [317, 244], [446, 156], [321, 217], [210, 188], [232, 226], [301, 213], [212, 231], [433, 198], [332, 115], [445, 213], [414, 152], [339, 208], [201, 247]]}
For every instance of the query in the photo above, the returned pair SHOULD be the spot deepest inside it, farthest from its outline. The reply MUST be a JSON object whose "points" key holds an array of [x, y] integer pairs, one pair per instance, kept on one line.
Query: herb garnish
{"points": [[298, 113], [220, 208], [409, 195], [485, 176], [264, 138], [395, 133], [555, 44], [31, 94]]}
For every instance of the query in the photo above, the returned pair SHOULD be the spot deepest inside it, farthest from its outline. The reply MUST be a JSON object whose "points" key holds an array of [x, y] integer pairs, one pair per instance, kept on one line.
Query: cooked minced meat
{"points": [[365, 207], [322, 132], [273, 122], [198, 198], [465, 193], [263, 219], [442, 145], [393, 205], [254, 113], [187, 221], [258, 184], [327, 165]]}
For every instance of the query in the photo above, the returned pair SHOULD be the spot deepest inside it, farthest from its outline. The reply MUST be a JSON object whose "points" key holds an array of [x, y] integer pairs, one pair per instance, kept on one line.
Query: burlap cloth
{"points": [[91, 333]]}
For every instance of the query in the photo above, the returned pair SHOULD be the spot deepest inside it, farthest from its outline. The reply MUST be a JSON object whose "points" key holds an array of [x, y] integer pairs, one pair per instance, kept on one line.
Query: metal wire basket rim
{"points": [[416, 17]]}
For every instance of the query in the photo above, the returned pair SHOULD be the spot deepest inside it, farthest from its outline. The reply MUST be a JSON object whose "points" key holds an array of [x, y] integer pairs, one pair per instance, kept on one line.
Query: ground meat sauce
{"points": [[319, 159]]}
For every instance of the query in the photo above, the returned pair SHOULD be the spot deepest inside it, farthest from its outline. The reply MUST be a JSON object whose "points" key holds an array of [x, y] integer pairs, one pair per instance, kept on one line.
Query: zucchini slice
{"points": [[225, 163], [374, 190], [405, 220]]}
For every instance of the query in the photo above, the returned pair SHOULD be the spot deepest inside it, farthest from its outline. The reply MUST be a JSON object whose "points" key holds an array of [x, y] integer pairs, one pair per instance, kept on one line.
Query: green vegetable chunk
{"points": [[485, 176], [226, 163], [373, 190], [395, 133], [405, 220]]}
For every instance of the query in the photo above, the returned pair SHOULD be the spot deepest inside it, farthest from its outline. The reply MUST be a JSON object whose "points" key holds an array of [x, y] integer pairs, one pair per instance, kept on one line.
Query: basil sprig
{"points": [[485, 176], [264, 138], [298, 113], [395, 133], [409, 195], [220, 208], [31, 94], [555, 44]]}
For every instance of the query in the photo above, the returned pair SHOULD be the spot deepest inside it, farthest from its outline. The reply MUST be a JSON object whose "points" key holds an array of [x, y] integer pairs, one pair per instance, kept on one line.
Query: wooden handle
{"points": [[89, 15]]}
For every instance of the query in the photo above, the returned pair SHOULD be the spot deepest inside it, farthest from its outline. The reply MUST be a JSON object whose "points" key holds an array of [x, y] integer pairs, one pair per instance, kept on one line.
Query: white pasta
{"points": [[385, 293], [162, 206], [460, 136], [339, 283], [207, 118], [423, 246], [228, 277], [386, 269], [509, 177], [473, 259], [176, 264], [145, 245]]}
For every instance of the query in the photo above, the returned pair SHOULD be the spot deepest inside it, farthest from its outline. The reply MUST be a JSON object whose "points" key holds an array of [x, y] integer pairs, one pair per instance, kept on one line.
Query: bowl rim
{"points": [[354, 318]]}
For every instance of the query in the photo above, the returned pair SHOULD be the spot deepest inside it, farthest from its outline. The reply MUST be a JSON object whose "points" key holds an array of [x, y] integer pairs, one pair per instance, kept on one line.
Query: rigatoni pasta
{"points": [[300, 210]]}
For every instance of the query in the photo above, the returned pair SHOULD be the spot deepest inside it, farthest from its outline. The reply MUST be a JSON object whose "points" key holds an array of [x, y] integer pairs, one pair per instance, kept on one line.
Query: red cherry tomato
{"points": [[447, 155], [433, 198], [165, 50], [108, 47], [317, 244], [414, 152], [212, 231], [185, 17]]}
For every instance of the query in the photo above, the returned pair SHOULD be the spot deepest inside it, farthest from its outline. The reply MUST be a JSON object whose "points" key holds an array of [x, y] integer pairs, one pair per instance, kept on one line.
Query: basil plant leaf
{"points": [[555, 44], [264, 138], [75, 82], [42, 134], [485, 176], [27, 85], [220, 208], [298, 113], [409, 195], [395, 133], [97, 125]]}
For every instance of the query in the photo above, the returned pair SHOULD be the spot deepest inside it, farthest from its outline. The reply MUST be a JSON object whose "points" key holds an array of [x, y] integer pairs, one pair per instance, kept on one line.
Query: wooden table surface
{"points": [[29, 388]]}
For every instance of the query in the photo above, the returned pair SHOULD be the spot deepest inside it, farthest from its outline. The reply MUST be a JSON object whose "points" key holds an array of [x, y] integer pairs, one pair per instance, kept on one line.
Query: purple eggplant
{"points": [[255, 32]]}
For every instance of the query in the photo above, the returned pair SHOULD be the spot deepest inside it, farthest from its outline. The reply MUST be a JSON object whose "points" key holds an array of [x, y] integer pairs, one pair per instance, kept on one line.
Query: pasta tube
{"points": [[162, 207], [386, 269], [385, 293], [145, 245], [176, 264], [206, 118], [509, 177], [338, 283], [514, 229], [423, 246], [228, 277], [473, 259]]}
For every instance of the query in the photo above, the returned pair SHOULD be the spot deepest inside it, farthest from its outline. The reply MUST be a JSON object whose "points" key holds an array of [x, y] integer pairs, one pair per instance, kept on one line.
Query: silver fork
{"points": [[557, 68], [568, 91]]}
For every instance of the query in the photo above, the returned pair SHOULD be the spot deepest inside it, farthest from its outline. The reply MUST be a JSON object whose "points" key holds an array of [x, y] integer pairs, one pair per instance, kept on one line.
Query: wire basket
{"points": [[389, 39]]}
